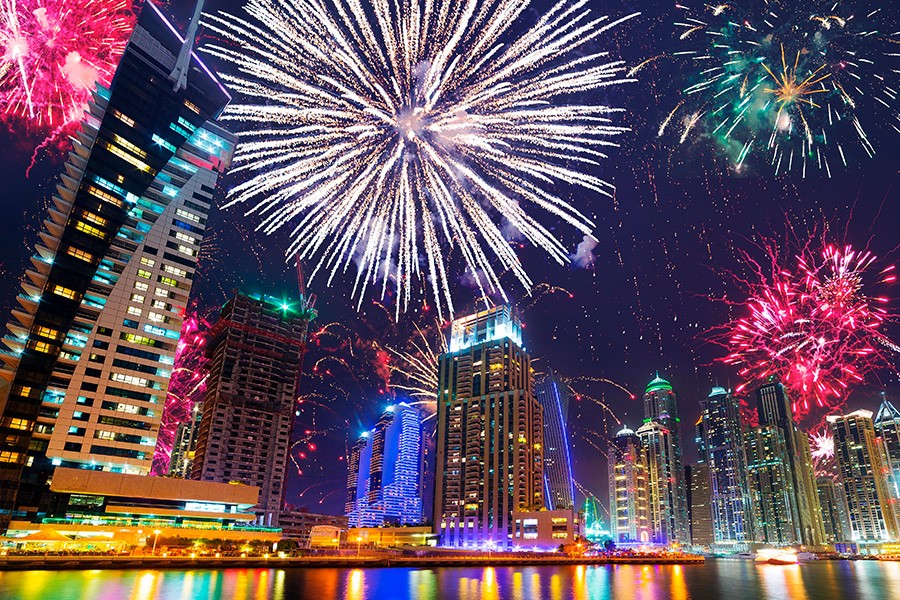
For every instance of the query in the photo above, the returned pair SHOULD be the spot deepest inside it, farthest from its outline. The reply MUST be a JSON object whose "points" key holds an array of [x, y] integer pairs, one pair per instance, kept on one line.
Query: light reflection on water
{"points": [[731, 579]]}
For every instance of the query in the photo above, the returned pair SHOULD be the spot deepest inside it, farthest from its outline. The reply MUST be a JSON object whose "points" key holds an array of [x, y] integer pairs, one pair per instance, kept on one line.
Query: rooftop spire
{"points": [[183, 63], [887, 411]]}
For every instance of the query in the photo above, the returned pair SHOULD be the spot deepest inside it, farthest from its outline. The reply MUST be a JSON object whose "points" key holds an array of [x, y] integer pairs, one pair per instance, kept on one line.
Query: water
{"points": [[728, 579]]}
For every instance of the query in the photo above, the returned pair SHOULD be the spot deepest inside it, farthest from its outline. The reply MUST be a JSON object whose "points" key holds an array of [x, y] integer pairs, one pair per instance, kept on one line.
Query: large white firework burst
{"points": [[385, 133]]}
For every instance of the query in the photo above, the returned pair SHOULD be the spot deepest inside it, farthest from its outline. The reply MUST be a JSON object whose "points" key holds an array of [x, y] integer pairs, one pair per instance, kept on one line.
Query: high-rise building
{"points": [[774, 408], [863, 472], [700, 504], [489, 432], [628, 502], [256, 348], [92, 344], [181, 464], [723, 446], [887, 428], [661, 439], [834, 510], [771, 486], [559, 486], [389, 466]]}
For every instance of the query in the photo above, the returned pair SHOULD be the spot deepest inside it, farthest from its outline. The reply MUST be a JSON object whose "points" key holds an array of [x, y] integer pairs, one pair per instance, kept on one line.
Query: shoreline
{"points": [[59, 563]]}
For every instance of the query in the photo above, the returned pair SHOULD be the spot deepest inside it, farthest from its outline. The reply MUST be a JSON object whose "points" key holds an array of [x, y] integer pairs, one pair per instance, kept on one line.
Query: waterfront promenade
{"points": [[57, 562]]}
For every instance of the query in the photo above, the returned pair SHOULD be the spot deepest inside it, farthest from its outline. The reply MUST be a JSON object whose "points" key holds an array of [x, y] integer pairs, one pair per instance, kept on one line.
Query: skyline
{"points": [[646, 285]]}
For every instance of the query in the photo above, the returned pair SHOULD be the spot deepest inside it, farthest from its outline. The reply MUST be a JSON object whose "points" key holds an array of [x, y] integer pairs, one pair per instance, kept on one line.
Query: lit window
{"points": [[43, 347], [21, 424], [88, 229], [47, 332], [157, 318], [63, 291], [168, 281], [183, 237], [10, 457], [130, 379], [140, 285], [128, 121], [192, 106], [95, 219], [104, 196], [134, 311], [174, 270], [144, 273], [163, 293], [160, 304], [189, 216], [185, 250], [79, 254], [149, 262], [137, 298], [128, 158]]}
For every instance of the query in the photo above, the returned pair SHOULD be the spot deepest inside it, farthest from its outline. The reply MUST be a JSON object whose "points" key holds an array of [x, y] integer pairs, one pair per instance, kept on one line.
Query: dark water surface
{"points": [[726, 579]]}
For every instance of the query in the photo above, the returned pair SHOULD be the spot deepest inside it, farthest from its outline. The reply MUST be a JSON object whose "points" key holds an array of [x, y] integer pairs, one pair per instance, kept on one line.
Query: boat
{"points": [[777, 556]]}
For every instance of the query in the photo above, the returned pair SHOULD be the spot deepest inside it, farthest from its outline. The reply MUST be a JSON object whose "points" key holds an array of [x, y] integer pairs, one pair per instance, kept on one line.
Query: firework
{"points": [[187, 387], [417, 366], [786, 80], [822, 449], [53, 53], [383, 136], [817, 325]]}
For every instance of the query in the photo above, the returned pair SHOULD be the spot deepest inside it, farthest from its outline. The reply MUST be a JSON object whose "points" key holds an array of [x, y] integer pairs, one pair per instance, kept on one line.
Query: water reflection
{"points": [[734, 579]]}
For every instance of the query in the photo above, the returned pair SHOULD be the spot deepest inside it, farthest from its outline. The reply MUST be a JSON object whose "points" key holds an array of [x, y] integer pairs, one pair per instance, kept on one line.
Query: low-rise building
{"points": [[296, 524], [546, 529], [136, 509], [392, 537]]}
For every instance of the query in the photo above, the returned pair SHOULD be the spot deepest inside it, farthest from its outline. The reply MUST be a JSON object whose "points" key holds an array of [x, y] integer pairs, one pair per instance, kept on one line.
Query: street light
{"points": [[358, 544], [156, 533], [490, 545]]}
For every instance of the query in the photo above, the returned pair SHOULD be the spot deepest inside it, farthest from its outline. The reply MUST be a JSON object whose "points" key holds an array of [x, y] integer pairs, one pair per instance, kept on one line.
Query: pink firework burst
{"points": [[187, 387], [52, 54], [814, 323]]}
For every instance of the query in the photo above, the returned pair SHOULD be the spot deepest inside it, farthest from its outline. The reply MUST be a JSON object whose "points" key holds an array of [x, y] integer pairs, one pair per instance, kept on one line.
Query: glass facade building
{"points": [[723, 446], [559, 487], [92, 343], [387, 466]]}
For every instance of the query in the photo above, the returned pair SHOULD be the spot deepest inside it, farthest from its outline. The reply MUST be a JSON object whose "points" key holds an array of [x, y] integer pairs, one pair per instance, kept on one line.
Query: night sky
{"points": [[669, 244]]}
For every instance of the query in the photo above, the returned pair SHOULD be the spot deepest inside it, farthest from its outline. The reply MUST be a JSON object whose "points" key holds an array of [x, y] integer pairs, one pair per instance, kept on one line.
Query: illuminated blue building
{"points": [[385, 467], [559, 491]]}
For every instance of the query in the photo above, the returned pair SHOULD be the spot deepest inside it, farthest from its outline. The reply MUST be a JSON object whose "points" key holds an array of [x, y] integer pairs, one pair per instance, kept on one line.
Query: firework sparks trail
{"points": [[816, 325], [53, 53], [822, 449], [797, 73], [383, 135], [417, 367], [187, 387]]}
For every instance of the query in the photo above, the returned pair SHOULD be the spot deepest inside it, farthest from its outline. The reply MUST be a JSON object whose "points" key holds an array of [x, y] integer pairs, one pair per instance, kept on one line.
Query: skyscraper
{"points": [[771, 486], [184, 447], [661, 439], [628, 508], [92, 344], [559, 487], [386, 485], [774, 408], [887, 428], [256, 348], [489, 432], [723, 445], [700, 504], [863, 473], [834, 510]]}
